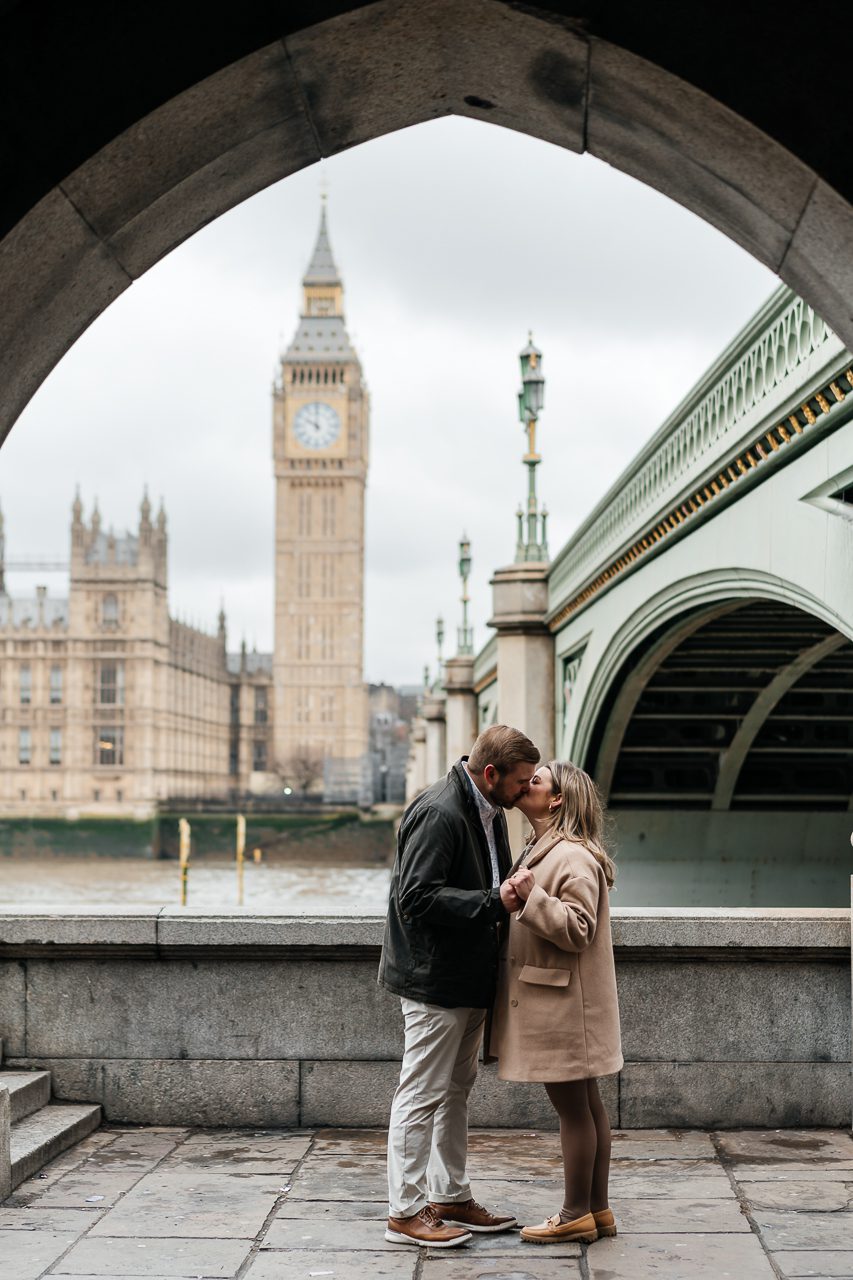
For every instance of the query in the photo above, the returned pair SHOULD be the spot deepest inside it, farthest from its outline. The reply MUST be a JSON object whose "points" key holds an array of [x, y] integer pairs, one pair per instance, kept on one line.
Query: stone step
{"points": [[28, 1091], [44, 1135]]}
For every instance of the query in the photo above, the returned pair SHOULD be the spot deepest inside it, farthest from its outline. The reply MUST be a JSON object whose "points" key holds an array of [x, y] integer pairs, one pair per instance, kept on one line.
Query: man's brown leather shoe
{"points": [[472, 1216], [425, 1228]]}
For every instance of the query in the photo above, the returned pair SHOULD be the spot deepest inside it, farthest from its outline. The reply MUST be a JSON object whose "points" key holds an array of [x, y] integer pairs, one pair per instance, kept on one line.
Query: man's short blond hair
{"points": [[503, 747]]}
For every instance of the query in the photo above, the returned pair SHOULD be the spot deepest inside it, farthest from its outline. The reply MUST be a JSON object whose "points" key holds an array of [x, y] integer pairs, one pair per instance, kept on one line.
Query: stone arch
{"points": [[120, 159], [745, 618]]}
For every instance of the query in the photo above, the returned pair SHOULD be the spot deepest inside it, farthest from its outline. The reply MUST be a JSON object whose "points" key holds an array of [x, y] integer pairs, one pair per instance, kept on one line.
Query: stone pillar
{"points": [[525, 660], [461, 707], [436, 737], [416, 772]]}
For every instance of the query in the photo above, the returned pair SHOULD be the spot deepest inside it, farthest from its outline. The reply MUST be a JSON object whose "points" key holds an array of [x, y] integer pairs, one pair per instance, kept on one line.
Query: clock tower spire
{"points": [[320, 453]]}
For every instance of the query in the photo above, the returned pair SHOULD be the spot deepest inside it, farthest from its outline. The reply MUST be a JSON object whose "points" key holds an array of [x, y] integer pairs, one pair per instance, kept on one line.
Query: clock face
{"points": [[316, 425]]}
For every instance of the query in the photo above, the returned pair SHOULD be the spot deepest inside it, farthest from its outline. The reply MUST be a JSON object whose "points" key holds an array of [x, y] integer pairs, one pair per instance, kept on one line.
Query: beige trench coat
{"points": [[556, 1015]]}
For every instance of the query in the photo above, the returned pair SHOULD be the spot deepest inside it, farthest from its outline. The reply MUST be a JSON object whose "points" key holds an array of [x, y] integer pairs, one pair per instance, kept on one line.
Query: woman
{"points": [[556, 1017]]}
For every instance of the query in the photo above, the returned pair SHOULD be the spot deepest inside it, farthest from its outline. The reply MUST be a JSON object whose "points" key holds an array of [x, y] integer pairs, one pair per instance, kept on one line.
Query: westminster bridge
{"points": [[690, 645]]}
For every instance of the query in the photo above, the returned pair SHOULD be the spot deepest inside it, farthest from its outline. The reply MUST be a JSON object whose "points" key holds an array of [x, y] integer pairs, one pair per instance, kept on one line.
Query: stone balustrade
{"points": [[784, 355], [731, 1017]]}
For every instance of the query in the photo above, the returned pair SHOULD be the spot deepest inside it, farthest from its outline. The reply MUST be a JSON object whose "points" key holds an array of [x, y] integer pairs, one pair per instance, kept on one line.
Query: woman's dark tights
{"points": [[585, 1142]]}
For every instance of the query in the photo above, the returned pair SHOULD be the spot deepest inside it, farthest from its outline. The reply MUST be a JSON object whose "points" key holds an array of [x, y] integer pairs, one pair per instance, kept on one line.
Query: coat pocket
{"points": [[544, 977]]}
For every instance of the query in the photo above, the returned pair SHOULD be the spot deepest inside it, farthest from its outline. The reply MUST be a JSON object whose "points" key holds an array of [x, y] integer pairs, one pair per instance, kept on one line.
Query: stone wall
{"points": [[730, 1018]]}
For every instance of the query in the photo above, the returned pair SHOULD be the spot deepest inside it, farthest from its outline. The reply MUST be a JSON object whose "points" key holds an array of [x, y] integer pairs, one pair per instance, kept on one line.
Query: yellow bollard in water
{"points": [[257, 855], [241, 849], [184, 856]]}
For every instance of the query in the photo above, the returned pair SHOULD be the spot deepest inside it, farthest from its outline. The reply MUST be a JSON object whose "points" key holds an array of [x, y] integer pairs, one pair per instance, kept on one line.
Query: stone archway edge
{"points": [[372, 70]]}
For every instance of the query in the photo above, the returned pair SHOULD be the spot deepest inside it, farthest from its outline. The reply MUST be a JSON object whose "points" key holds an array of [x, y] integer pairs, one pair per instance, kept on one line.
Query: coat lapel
{"points": [[542, 846]]}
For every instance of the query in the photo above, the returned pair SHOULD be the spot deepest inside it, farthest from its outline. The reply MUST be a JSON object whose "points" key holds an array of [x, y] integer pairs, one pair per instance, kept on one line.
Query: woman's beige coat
{"points": [[556, 1015]]}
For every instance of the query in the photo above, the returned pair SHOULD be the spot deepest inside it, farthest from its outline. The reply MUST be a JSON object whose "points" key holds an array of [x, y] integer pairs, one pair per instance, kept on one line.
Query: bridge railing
{"points": [[784, 356]]}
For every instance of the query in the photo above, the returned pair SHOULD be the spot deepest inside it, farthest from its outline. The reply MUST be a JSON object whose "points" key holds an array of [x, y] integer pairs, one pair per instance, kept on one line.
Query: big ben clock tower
{"points": [[320, 450]]}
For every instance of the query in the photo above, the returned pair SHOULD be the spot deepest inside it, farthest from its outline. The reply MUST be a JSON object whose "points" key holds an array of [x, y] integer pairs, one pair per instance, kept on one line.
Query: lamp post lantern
{"points": [[465, 639], [531, 542], [439, 641]]}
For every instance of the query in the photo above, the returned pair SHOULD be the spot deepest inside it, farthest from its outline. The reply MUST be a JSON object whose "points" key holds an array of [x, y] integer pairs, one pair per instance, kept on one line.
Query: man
{"points": [[440, 953]]}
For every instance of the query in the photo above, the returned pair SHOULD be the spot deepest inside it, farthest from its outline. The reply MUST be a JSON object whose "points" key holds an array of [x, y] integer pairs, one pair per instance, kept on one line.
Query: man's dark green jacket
{"points": [[441, 935]]}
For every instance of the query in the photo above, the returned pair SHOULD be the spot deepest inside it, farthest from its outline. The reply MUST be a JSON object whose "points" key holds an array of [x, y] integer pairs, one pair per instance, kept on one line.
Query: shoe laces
{"points": [[430, 1217]]}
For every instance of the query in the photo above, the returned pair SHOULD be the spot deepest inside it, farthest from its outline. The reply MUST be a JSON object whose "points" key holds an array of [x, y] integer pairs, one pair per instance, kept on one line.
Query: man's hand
{"points": [[522, 882], [509, 897]]}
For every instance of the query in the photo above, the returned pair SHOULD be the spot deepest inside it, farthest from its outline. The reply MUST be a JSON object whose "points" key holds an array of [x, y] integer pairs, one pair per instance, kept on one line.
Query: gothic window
{"points": [[259, 755], [26, 686], [56, 746], [304, 514], [110, 686], [109, 745], [261, 705], [303, 577], [235, 704], [25, 746], [109, 610], [327, 708], [55, 685], [233, 756]]}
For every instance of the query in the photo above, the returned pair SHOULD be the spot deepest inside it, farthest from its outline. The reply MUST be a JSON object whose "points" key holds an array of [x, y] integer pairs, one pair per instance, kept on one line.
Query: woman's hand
{"points": [[523, 881]]}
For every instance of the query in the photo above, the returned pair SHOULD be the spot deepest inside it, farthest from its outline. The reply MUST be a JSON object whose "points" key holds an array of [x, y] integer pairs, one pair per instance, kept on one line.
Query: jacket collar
{"points": [[542, 846]]}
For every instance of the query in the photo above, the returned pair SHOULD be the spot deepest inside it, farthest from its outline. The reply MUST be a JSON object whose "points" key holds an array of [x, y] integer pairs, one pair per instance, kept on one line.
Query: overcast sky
{"points": [[454, 239]]}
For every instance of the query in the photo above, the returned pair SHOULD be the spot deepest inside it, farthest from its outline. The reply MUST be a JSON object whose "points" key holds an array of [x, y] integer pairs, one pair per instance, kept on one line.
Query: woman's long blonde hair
{"points": [[580, 813]]}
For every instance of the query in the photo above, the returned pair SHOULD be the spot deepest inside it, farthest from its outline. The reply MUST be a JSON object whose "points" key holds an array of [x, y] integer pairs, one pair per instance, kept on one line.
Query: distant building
{"points": [[109, 704], [391, 714]]}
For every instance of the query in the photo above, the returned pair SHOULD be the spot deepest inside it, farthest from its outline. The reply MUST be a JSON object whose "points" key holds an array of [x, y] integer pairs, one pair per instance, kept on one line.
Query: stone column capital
{"points": [[459, 674], [433, 706], [520, 599]]}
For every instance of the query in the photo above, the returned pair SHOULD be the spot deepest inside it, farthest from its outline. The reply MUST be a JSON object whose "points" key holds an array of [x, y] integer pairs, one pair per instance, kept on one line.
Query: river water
{"points": [[298, 890]]}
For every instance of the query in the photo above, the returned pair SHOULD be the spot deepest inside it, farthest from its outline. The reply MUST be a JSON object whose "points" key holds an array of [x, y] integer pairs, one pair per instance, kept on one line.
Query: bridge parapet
{"points": [[778, 386]]}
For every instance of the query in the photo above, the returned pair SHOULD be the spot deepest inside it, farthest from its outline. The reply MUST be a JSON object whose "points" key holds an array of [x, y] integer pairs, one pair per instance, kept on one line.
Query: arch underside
{"points": [[124, 140], [751, 709]]}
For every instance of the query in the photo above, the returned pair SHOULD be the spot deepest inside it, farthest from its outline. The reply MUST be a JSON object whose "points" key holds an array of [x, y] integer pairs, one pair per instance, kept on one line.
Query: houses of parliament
{"points": [[109, 704]]}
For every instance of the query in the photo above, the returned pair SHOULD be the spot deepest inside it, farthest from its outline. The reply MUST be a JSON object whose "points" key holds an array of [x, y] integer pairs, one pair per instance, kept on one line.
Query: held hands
{"points": [[509, 897], [522, 882]]}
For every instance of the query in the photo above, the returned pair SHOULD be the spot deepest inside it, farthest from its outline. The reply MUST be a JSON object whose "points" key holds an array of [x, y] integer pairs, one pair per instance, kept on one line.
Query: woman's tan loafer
{"points": [[553, 1229], [605, 1222]]}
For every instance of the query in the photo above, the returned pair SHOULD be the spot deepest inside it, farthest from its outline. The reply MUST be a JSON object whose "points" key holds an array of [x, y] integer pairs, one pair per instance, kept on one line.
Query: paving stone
{"points": [[821, 1195], [805, 1230], [328, 1210], [72, 1222], [656, 1217], [679, 1257], [362, 1141], [357, 1183], [241, 1152], [662, 1144], [192, 1203], [37, 1186], [681, 1186], [335, 1266], [178, 1256], [778, 1145], [529, 1200], [24, 1255], [338, 1231], [819, 1264], [534, 1263], [832, 1171]]}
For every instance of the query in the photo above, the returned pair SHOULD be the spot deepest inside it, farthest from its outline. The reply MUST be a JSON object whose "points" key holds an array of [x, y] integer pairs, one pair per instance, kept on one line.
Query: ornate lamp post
{"points": [[439, 640], [532, 542], [465, 644]]}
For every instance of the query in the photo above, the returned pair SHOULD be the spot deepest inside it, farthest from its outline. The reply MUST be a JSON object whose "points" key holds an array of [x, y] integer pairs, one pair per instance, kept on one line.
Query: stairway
{"points": [[40, 1129]]}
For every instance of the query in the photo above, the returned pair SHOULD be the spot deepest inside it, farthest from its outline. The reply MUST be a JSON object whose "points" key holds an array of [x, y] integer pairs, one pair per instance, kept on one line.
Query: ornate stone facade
{"points": [[320, 451], [109, 705]]}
